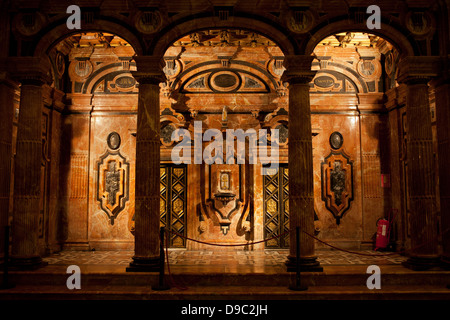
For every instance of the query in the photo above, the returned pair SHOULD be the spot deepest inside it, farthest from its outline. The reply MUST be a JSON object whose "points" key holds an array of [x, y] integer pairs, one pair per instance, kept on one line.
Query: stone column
{"points": [[301, 175], [416, 72], [7, 88], [32, 74], [149, 74], [442, 98]]}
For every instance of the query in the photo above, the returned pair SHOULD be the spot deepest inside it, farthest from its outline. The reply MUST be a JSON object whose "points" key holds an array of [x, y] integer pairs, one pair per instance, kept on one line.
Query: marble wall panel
{"points": [[92, 225], [74, 173], [374, 148], [102, 234], [349, 232]]}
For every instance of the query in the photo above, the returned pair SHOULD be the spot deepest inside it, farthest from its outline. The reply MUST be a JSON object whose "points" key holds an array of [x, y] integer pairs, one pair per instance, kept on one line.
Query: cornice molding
{"points": [[29, 70], [298, 69], [149, 70], [413, 69]]}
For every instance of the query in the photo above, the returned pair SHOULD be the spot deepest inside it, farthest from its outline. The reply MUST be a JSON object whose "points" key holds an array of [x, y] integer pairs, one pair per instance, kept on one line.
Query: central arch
{"points": [[175, 31]]}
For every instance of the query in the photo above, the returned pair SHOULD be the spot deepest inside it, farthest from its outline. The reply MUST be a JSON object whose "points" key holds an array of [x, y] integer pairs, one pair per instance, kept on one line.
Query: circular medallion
{"points": [[419, 23], [28, 24], [369, 69], [300, 21], [148, 22], [336, 140], [113, 140], [80, 70]]}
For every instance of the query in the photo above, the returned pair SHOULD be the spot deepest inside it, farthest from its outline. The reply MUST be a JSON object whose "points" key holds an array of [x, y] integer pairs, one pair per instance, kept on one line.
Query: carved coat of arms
{"points": [[112, 183], [337, 184]]}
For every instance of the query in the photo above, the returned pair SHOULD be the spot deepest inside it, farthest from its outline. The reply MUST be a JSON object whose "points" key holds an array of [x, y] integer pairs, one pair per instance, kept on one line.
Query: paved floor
{"points": [[238, 258], [228, 275]]}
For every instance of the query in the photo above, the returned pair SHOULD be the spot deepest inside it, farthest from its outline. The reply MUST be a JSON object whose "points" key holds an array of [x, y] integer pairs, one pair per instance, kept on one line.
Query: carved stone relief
{"points": [[337, 183], [113, 172]]}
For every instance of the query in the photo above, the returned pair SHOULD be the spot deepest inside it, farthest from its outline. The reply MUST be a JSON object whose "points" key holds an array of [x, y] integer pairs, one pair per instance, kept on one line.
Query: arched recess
{"points": [[176, 30], [52, 35], [387, 32]]}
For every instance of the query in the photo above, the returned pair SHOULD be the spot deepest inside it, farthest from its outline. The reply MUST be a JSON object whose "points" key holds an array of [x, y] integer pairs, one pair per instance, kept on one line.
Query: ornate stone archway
{"points": [[59, 32]]}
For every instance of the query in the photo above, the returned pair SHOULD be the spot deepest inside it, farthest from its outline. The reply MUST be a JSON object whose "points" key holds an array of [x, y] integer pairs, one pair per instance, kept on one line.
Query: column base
{"points": [[306, 264], [27, 263], [422, 263], [144, 264]]}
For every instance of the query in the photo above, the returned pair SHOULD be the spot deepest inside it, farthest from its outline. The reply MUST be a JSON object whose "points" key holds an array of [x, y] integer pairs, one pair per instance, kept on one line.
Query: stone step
{"points": [[331, 276], [143, 292]]}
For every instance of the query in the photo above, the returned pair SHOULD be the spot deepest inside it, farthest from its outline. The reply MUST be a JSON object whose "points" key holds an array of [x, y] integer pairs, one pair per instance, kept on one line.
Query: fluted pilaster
{"points": [[416, 73], [149, 74], [7, 88], [442, 98], [301, 175], [32, 73]]}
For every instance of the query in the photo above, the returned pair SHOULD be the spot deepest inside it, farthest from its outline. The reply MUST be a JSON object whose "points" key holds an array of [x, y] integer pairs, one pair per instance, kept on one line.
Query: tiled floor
{"points": [[210, 258]]}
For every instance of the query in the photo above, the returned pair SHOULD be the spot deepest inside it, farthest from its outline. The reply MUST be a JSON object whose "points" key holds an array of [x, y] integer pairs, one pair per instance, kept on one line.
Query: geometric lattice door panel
{"points": [[173, 179], [276, 208]]}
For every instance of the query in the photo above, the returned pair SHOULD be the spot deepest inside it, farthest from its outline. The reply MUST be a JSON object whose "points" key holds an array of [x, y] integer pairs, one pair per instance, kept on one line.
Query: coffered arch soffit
{"points": [[171, 33], [395, 35], [48, 38]]}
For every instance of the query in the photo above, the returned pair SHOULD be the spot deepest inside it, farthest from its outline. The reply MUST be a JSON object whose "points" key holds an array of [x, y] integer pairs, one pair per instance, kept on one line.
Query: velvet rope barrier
{"points": [[257, 242], [275, 237]]}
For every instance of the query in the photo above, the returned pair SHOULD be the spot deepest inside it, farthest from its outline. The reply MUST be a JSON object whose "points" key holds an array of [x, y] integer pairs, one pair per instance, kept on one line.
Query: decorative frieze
{"points": [[78, 176]]}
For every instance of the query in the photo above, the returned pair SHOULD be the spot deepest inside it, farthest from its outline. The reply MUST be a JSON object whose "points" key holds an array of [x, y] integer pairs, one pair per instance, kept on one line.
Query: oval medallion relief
{"points": [[324, 82], [224, 81]]}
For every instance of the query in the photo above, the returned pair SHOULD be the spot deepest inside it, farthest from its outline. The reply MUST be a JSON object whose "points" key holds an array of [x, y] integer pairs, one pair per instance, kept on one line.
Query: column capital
{"points": [[29, 70], [415, 70], [298, 69], [444, 76], [149, 69]]}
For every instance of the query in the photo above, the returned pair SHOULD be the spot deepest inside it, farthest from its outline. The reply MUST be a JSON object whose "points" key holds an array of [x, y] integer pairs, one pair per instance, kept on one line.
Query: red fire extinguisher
{"points": [[382, 234], [383, 231]]}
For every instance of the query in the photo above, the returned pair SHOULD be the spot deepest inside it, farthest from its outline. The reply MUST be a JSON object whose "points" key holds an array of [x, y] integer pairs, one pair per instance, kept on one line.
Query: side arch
{"points": [[390, 33], [57, 31]]}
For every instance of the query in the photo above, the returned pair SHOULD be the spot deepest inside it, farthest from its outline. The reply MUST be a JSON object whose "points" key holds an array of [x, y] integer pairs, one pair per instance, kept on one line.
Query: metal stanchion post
{"points": [[5, 283], [161, 284], [297, 286]]}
